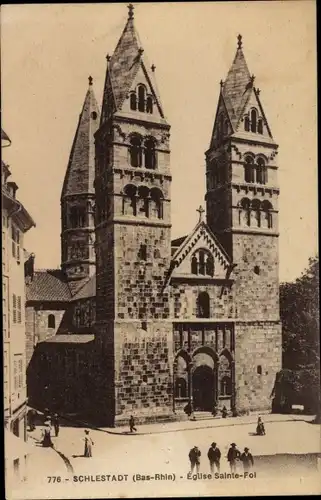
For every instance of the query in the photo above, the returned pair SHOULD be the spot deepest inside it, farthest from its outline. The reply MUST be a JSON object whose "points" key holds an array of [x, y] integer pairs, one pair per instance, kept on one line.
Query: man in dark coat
{"points": [[233, 456], [55, 424], [195, 458], [247, 460], [214, 456], [132, 424]]}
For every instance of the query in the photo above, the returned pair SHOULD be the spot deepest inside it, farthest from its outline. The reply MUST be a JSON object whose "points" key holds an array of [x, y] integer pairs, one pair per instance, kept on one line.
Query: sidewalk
{"points": [[191, 425]]}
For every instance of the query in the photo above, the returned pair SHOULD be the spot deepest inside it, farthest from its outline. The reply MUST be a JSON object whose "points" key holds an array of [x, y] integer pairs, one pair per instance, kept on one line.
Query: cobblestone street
{"points": [[166, 452]]}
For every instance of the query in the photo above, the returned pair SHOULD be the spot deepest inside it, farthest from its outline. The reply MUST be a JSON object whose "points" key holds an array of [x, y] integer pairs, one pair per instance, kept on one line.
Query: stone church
{"points": [[137, 323]]}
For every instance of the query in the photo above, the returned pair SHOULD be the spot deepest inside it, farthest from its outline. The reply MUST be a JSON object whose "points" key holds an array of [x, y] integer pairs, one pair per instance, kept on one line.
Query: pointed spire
{"points": [[123, 66], [81, 166]]}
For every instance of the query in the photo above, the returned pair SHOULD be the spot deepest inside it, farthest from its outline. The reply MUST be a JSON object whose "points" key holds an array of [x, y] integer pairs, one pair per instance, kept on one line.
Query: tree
{"points": [[299, 307]]}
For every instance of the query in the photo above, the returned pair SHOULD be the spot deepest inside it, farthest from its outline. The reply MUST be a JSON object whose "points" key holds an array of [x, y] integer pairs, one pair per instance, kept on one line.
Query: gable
{"points": [[222, 124], [201, 239], [253, 103], [143, 78]]}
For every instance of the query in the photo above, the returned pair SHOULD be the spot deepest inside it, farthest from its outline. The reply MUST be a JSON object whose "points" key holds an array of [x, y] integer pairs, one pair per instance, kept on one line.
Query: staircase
{"points": [[204, 415]]}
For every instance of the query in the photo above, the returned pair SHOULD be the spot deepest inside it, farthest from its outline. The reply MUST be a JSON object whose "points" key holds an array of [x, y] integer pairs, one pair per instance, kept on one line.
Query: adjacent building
{"points": [[16, 221], [146, 324]]}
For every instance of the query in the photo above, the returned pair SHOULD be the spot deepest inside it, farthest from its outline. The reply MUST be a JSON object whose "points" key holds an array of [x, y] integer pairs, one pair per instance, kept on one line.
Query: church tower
{"points": [[242, 210], [78, 198], [132, 183]]}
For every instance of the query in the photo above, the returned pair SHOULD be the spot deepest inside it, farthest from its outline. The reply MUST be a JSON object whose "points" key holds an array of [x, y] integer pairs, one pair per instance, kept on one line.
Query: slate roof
{"points": [[80, 172], [48, 285], [178, 241], [123, 67], [70, 339], [88, 290]]}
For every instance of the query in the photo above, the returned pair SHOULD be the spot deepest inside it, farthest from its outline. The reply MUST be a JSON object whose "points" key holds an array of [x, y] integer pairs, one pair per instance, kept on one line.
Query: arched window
{"points": [[267, 220], [203, 305], [51, 321], [135, 151], [150, 153], [133, 101], [129, 200], [246, 124], [141, 98], [244, 212], [255, 213], [249, 169], [253, 120], [260, 126], [180, 388], [261, 171], [142, 201], [201, 262], [209, 265], [156, 203], [194, 265], [149, 105], [226, 386]]}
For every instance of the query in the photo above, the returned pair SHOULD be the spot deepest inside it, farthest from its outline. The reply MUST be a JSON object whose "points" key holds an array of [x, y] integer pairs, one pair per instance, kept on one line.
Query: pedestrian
{"points": [[55, 424], [233, 456], [88, 445], [260, 429], [46, 435], [31, 419], [224, 412], [195, 458], [247, 460], [132, 424], [214, 456]]}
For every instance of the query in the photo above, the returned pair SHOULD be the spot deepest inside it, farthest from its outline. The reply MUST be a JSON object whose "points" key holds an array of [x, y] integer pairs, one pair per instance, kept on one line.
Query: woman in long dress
{"points": [[88, 445], [46, 436]]}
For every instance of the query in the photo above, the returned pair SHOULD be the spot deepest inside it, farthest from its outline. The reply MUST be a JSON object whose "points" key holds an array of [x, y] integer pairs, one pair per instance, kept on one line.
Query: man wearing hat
{"points": [[194, 457], [214, 456], [233, 456], [247, 460]]}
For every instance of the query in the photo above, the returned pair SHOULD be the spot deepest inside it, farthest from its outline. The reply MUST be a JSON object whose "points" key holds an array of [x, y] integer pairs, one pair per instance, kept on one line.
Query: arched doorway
{"points": [[203, 383]]}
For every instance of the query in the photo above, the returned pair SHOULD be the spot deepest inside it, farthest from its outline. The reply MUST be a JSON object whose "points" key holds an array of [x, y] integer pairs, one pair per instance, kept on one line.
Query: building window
{"points": [[253, 120], [18, 372], [226, 386], [202, 263], [77, 217], [142, 254], [260, 126], [51, 321], [14, 308], [249, 169], [203, 305], [259, 370], [156, 203], [245, 212], [180, 388], [267, 220], [129, 200], [246, 124], [149, 105], [255, 213], [261, 171], [133, 101], [141, 98], [18, 299], [15, 235], [135, 151], [150, 153], [143, 201]]}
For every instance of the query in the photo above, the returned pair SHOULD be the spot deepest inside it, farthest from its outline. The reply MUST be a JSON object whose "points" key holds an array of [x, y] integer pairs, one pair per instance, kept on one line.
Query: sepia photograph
{"points": [[160, 268]]}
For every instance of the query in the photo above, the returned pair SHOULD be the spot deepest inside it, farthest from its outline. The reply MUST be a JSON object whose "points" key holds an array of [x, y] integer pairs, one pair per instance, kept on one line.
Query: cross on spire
{"points": [[130, 11], [153, 67], [221, 83], [90, 80], [239, 41], [201, 211]]}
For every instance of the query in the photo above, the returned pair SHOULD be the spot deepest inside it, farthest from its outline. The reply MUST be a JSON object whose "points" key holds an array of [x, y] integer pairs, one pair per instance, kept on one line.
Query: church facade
{"points": [[142, 324]]}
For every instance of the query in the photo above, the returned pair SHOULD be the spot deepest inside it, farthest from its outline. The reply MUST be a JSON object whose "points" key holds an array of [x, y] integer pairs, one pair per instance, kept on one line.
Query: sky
{"points": [[48, 52]]}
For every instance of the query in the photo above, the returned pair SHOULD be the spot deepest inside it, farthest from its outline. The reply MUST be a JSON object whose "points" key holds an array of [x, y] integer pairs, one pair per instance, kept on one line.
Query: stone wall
{"points": [[256, 290], [143, 370], [258, 357]]}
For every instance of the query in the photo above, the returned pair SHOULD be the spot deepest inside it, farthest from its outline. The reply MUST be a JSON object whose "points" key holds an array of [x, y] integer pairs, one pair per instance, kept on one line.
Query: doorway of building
{"points": [[203, 388]]}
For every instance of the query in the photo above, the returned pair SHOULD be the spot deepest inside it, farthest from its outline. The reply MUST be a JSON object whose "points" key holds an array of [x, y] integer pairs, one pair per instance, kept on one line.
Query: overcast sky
{"points": [[48, 52]]}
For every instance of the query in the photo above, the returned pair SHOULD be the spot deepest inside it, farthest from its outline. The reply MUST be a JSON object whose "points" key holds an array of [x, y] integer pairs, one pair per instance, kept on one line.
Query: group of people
{"points": [[234, 456]]}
